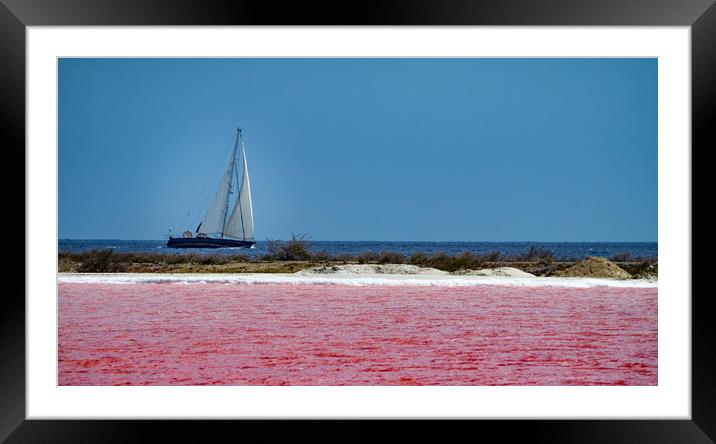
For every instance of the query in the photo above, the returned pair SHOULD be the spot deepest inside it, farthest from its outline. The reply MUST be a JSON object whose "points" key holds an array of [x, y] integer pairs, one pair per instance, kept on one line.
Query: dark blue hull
{"points": [[207, 242]]}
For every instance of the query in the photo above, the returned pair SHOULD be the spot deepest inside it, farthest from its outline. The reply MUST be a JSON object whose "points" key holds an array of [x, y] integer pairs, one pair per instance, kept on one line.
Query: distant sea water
{"points": [[561, 250]]}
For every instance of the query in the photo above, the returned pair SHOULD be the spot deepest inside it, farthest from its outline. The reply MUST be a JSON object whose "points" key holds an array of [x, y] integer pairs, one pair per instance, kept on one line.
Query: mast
{"points": [[232, 162]]}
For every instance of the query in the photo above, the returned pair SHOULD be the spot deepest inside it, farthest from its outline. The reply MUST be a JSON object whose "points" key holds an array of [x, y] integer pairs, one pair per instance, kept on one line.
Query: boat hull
{"points": [[207, 242]]}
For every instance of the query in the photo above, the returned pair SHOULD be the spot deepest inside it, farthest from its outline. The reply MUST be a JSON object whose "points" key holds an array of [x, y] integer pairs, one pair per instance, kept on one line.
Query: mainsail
{"points": [[213, 222], [240, 224]]}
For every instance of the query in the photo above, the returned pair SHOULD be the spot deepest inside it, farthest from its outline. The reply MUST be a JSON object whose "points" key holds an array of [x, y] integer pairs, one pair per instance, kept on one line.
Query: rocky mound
{"points": [[596, 267], [369, 269], [501, 271]]}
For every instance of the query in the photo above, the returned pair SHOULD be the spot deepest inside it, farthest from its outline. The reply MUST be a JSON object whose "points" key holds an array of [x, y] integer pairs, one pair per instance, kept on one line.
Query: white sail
{"points": [[241, 223], [215, 218]]}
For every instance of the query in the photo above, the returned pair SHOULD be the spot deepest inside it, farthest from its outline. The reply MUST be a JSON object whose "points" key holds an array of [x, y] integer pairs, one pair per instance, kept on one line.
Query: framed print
{"points": [[473, 208]]}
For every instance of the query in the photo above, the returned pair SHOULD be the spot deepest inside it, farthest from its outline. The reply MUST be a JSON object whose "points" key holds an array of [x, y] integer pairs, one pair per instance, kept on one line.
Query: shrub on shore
{"points": [[364, 258], [109, 260], [535, 260], [621, 257], [536, 254], [418, 259], [321, 256], [101, 261], [645, 269], [628, 257], [462, 261], [388, 257], [295, 249]]}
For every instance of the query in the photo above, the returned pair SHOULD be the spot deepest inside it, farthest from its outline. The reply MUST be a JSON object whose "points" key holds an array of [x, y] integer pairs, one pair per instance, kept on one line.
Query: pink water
{"points": [[303, 334]]}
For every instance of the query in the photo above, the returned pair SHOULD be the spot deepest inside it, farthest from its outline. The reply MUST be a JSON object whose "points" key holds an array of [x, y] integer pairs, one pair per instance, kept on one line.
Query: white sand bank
{"points": [[356, 277], [370, 270], [501, 272]]}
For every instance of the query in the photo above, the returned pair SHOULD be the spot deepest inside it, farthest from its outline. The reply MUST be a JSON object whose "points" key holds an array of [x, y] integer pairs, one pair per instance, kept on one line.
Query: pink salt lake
{"points": [[309, 334]]}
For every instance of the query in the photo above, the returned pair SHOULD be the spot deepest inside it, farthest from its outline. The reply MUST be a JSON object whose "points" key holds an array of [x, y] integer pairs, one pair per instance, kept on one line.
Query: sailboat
{"points": [[220, 228]]}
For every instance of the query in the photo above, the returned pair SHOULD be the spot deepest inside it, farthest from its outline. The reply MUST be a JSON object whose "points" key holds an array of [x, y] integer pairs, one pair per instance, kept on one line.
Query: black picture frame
{"points": [[700, 15]]}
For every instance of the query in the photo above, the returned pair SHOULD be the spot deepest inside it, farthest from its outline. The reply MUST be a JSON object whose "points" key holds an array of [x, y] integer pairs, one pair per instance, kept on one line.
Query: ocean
{"points": [[561, 250]]}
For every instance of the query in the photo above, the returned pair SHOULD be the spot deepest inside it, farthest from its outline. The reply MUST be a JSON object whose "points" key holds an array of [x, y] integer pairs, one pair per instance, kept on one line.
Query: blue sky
{"points": [[364, 149]]}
